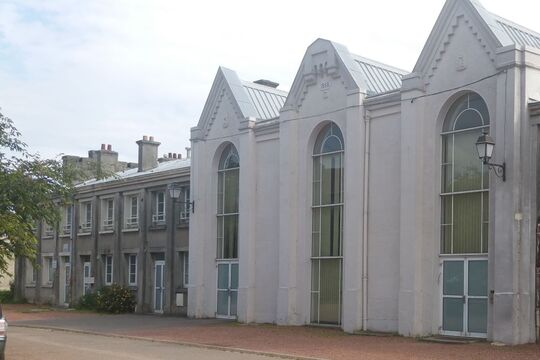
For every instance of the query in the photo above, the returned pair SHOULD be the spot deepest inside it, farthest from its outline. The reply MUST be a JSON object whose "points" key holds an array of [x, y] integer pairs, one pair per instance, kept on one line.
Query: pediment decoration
{"points": [[460, 19]]}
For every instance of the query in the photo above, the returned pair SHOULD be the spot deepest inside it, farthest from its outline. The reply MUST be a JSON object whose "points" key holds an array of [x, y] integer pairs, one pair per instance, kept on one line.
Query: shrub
{"points": [[115, 299], [87, 302]]}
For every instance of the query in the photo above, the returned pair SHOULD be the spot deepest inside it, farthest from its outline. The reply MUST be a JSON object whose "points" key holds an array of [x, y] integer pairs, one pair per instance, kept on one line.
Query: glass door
{"points": [[227, 290], [464, 297], [159, 289], [66, 282], [87, 279]]}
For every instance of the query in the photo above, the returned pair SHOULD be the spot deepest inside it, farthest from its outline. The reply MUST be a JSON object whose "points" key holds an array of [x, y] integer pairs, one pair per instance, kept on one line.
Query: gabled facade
{"points": [[362, 203]]}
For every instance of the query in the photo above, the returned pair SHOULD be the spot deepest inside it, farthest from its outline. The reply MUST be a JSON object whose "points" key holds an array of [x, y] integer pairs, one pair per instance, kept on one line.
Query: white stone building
{"points": [[358, 199]]}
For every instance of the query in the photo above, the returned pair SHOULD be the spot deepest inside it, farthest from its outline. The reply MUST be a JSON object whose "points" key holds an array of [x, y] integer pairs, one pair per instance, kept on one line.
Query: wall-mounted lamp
{"points": [[174, 192], [485, 146]]}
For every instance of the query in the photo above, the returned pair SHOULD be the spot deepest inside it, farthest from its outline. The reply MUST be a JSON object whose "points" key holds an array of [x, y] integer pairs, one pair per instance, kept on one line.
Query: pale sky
{"points": [[75, 74]]}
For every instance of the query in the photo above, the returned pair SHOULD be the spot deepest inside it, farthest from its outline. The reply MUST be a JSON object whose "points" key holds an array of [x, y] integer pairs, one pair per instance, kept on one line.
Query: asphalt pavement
{"points": [[34, 344]]}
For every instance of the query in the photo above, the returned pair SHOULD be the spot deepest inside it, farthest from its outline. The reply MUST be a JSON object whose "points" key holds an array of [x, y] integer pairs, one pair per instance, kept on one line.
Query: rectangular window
{"points": [[107, 211], [131, 213], [30, 273], [48, 271], [48, 230], [108, 269], [67, 220], [184, 262], [85, 222], [158, 217], [132, 270], [185, 205]]}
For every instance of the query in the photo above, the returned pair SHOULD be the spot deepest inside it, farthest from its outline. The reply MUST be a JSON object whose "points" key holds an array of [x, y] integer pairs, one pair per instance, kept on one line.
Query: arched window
{"points": [[327, 227], [465, 181], [227, 211]]}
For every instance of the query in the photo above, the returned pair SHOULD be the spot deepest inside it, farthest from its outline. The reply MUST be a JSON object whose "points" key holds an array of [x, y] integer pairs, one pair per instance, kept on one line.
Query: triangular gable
{"points": [[226, 86], [324, 58], [480, 22]]}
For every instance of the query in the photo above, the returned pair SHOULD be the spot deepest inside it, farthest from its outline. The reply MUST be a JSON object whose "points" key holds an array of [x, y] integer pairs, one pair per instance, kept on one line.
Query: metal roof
{"points": [[267, 101], [379, 78], [131, 173], [519, 34]]}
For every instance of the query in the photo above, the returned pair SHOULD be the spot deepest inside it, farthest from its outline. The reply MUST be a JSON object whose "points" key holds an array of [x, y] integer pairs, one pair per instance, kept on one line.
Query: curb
{"points": [[173, 342]]}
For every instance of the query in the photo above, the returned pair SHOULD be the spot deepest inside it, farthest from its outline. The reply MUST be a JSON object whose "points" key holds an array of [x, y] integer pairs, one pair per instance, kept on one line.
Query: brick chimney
{"points": [[104, 161], [148, 153]]}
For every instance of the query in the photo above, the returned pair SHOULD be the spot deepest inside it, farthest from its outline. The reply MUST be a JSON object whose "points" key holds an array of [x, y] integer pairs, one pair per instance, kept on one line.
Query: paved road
{"points": [[30, 344]]}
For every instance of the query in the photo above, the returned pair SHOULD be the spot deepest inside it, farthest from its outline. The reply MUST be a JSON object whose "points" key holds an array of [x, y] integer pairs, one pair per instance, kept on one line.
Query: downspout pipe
{"points": [[365, 198]]}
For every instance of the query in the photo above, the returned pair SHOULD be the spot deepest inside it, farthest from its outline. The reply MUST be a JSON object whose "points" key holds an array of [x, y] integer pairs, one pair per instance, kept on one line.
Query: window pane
{"points": [[477, 315], [223, 276], [331, 179], [316, 181], [468, 119], [330, 291], [467, 223], [467, 166], [453, 314], [220, 237], [453, 278], [231, 191], [220, 193], [230, 237], [234, 276], [331, 231], [478, 278], [316, 228]]}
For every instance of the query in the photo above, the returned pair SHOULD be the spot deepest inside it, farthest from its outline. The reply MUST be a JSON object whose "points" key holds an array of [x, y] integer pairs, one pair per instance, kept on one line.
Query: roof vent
{"points": [[267, 83]]}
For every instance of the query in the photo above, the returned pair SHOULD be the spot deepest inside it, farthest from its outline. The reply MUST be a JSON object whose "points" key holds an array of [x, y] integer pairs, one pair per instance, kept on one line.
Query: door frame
{"points": [[229, 263], [87, 279], [160, 263], [465, 258], [65, 275]]}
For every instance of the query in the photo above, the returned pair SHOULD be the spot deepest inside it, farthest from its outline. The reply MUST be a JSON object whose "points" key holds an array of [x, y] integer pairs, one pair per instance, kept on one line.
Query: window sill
{"points": [[84, 234], [182, 225], [157, 227], [31, 285], [103, 232], [47, 286], [64, 235], [47, 237], [130, 230]]}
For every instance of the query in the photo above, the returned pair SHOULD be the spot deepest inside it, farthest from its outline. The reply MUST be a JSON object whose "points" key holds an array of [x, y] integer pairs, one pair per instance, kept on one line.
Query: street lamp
{"points": [[174, 192], [485, 146]]}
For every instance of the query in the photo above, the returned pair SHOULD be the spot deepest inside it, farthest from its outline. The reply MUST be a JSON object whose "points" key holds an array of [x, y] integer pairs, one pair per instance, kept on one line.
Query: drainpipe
{"points": [[365, 223]]}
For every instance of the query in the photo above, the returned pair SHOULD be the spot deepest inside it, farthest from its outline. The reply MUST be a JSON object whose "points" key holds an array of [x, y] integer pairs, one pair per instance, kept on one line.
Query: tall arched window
{"points": [[465, 181], [327, 227], [227, 233], [227, 211]]}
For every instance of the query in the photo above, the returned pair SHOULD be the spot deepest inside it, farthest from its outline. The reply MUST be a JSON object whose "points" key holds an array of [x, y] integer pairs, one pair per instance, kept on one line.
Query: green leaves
{"points": [[31, 189]]}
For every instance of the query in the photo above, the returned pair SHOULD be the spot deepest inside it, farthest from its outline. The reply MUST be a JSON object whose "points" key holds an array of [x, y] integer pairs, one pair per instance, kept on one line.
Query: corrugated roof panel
{"points": [[379, 78], [266, 100], [519, 34]]}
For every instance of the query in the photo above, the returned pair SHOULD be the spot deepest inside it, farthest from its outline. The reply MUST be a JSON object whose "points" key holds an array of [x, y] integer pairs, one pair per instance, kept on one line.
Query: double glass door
{"points": [[227, 289], [464, 297]]}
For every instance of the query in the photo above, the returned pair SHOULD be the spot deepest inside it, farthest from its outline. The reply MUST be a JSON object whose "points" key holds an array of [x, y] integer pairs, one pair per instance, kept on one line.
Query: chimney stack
{"points": [[148, 153], [188, 153], [109, 147]]}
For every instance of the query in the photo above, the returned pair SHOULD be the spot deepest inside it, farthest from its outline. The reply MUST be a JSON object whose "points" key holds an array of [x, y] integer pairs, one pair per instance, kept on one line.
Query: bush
{"points": [[87, 302], [6, 297], [115, 299]]}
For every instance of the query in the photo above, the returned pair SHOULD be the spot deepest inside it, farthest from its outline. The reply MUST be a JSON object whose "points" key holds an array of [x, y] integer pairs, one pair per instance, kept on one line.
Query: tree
{"points": [[31, 190]]}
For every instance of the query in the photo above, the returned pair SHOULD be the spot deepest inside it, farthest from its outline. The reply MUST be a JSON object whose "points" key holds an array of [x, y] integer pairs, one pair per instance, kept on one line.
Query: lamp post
{"points": [[485, 146]]}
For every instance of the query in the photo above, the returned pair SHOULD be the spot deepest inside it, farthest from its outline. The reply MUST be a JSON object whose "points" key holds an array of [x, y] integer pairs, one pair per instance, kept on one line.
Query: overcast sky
{"points": [[75, 74]]}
